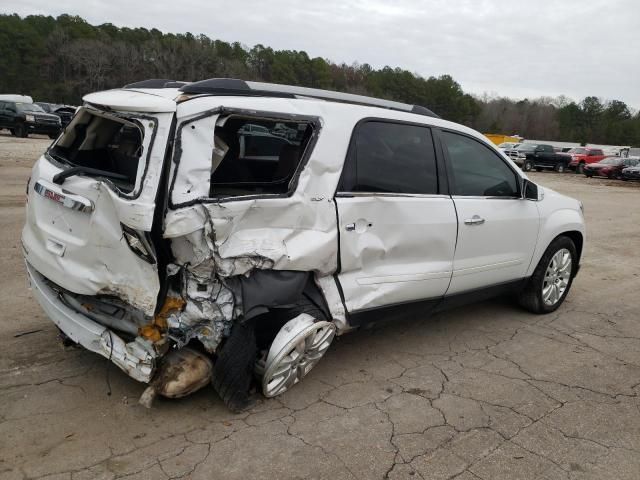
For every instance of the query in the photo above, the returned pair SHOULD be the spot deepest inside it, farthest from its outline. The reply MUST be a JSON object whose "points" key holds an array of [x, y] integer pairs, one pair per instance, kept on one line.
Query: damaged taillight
{"points": [[138, 244]]}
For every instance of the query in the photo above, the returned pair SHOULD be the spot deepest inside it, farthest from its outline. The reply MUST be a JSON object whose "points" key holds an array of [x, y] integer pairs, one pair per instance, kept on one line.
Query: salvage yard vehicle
{"points": [[65, 112], [631, 173], [22, 118], [581, 156], [610, 167], [160, 235], [540, 157]]}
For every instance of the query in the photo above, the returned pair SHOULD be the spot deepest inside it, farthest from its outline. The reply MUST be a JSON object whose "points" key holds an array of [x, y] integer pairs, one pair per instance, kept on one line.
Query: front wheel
{"points": [[528, 166], [560, 168], [580, 168], [551, 280], [20, 131]]}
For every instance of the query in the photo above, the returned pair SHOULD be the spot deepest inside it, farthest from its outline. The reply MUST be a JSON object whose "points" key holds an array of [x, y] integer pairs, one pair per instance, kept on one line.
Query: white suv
{"points": [[168, 230]]}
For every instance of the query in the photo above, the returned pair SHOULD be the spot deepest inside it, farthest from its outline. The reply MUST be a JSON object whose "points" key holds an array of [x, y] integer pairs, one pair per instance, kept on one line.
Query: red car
{"points": [[581, 156], [610, 167]]}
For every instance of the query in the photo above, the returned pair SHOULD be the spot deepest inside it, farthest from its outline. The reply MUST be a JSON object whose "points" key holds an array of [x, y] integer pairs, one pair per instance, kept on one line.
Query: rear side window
{"points": [[390, 157], [476, 170], [253, 156], [111, 145]]}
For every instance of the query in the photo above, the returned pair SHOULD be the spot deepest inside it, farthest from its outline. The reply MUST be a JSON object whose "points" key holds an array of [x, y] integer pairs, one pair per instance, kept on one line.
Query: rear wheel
{"points": [[551, 280], [538, 169], [53, 136], [560, 167]]}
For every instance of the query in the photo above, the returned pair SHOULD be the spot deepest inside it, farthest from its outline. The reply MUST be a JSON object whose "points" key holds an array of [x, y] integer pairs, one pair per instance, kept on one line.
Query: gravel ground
{"points": [[486, 391]]}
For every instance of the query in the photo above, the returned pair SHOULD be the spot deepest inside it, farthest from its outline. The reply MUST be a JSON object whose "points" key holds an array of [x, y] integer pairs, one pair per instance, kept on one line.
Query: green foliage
{"points": [[61, 59]]}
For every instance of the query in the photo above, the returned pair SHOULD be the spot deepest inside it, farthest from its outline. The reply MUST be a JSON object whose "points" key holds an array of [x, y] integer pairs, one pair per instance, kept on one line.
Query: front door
{"points": [[397, 231], [497, 229]]}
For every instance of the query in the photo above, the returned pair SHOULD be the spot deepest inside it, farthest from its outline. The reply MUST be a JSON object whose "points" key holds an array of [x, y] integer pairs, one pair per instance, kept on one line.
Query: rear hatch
{"points": [[91, 202]]}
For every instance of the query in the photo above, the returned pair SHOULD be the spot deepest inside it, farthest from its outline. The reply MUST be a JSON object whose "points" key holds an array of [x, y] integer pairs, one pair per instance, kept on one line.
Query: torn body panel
{"points": [[86, 252]]}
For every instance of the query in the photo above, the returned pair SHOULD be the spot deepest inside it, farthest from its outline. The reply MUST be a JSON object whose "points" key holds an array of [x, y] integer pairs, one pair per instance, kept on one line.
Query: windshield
{"points": [[526, 146], [611, 161], [29, 107], [505, 145], [578, 150]]}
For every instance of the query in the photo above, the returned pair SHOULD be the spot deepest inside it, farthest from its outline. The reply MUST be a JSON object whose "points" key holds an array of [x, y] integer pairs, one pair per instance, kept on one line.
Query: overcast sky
{"points": [[506, 47]]}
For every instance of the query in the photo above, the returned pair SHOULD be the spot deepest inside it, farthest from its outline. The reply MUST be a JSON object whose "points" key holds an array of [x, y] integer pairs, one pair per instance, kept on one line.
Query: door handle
{"points": [[359, 226], [475, 220]]}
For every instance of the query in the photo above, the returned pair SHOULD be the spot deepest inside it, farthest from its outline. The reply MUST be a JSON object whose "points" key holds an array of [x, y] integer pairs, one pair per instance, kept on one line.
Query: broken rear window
{"points": [[256, 155], [107, 143]]}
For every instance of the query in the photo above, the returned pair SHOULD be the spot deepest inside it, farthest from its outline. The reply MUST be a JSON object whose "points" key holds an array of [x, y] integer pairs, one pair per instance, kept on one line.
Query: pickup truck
{"points": [[581, 156], [539, 156]]}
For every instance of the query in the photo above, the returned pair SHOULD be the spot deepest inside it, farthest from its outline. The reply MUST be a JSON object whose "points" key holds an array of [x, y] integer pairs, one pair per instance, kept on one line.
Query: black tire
{"points": [[527, 167], [588, 175], [233, 369], [13, 131], [530, 297], [53, 136], [538, 169], [580, 168], [560, 168], [21, 131]]}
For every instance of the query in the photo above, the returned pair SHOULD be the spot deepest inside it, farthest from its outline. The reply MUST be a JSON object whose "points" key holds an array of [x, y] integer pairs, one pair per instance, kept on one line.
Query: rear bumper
{"points": [[137, 358]]}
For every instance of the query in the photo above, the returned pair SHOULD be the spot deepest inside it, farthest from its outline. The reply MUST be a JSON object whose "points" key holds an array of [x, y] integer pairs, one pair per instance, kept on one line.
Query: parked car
{"points": [[631, 173], [610, 167], [507, 146], [65, 112], [539, 156], [184, 260], [507, 150], [581, 156], [22, 118]]}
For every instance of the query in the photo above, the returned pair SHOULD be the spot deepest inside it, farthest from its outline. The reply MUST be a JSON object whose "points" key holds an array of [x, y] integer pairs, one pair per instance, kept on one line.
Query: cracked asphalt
{"points": [[482, 392]]}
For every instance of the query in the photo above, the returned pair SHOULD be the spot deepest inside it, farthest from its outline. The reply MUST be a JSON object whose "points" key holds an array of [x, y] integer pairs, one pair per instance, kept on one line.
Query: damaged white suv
{"points": [[225, 231]]}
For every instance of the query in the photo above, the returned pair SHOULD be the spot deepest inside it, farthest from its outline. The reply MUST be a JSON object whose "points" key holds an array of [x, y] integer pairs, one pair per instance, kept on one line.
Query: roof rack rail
{"points": [[232, 86], [156, 83]]}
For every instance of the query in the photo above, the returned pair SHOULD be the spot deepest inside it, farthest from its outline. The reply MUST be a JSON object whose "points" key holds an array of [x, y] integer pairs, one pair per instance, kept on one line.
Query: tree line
{"points": [[61, 59]]}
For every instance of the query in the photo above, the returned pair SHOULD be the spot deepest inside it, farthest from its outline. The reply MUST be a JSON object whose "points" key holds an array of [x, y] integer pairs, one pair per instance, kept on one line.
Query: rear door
{"points": [[90, 232], [397, 227], [497, 229]]}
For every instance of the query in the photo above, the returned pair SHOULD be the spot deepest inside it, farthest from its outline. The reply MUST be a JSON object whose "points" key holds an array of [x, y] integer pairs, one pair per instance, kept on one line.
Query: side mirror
{"points": [[531, 191]]}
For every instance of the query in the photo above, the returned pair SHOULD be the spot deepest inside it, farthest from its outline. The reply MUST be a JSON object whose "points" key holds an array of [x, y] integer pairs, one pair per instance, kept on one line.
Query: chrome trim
{"points": [[68, 200], [389, 194], [480, 197]]}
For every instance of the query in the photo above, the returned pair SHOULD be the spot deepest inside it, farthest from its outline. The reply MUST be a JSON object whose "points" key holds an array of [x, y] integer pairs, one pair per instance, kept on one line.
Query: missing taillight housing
{"points": [[138, 243]]}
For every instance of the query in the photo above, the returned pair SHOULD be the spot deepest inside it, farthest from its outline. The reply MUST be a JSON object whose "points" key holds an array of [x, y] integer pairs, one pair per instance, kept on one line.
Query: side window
{"points": [[478, 171], [250, 156], [390, 157]]}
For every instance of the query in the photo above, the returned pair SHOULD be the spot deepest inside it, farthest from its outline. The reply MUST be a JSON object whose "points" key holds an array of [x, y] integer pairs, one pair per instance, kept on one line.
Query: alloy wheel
{"points": [[556, 277], [296, 354]]}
